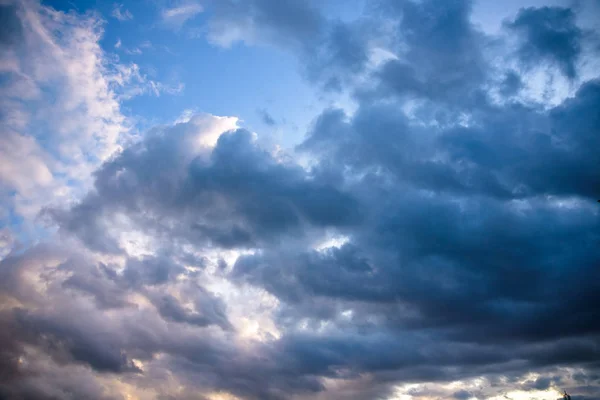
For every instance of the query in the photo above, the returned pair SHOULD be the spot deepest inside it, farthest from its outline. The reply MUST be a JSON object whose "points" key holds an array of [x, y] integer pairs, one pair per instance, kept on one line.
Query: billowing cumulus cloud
{"points": [[439, 239]]}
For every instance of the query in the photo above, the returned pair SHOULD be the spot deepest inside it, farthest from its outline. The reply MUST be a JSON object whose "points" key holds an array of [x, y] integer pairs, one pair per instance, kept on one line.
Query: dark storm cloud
{"points": [[151, 271], [462, 395], [74, 339], [467, 276], [149, 276], [526, 148], [513, 151], [340, 56], [49, 384], [377, 137], [10, 350], [549, 34], [485, 250], [62, 325], [240, 196], [209, 310], [101, 283], [441, 53], [511, 84], [75, 335]]}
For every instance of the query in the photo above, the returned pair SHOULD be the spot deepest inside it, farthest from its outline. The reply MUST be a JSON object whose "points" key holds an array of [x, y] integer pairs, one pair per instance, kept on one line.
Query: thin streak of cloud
{"points": [[121, 13], [176, 17]]}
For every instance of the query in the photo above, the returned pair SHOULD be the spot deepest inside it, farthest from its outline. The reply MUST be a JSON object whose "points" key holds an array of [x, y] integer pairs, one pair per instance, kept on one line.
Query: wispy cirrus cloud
{"points": [[61, 104], [121, 13], [175, 17], [56, 56]]}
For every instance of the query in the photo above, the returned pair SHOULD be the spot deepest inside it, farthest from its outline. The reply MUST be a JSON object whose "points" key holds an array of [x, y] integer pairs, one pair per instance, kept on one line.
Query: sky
{"points": [[298, 199]]}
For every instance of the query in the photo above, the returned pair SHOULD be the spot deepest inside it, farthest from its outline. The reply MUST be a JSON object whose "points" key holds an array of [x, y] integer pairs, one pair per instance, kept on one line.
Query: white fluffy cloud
{"points": [[60, 98]]}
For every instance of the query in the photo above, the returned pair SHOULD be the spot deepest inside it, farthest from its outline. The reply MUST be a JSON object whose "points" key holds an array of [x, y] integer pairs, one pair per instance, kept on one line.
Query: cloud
{"points": [[286, 22], [549, 34], [139, 340], [330, 51], [267, 118], [75, 76], [178, 15], [439, 241], [24, 164], [458, 264], [235, 213], [61, 105], [120, 13]]}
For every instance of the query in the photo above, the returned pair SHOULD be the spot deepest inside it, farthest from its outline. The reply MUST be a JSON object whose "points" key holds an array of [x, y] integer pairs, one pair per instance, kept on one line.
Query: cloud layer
{"points": [[441, 240]]}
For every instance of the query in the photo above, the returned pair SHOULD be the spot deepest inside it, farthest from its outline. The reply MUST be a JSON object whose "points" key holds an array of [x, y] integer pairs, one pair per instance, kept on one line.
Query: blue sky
{"points": [[239, 80], [299, 199]]}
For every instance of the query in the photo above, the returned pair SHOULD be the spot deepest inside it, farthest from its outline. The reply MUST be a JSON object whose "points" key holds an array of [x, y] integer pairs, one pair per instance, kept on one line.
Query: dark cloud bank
{"points": [[469, 211]]}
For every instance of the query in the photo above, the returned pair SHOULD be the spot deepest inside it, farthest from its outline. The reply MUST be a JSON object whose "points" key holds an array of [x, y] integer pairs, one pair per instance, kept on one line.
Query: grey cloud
{"points": [[151, 271], [441, 54], [471, 230], [462, 395], [11, 30], [15, 267], [239, 197], [170, 308], [149, 277], [550, 34], [331, 51], [267, 118], [74, 334], [513, 151], [100, 282], [542, 383], [110, 288], [51, 384], [446, 245], [493, 271], [208, 309], [523, 301], [70, 338], [10, 350], [340, 56], [549, 167], [511, 84], [286, 22], [80, 221]]}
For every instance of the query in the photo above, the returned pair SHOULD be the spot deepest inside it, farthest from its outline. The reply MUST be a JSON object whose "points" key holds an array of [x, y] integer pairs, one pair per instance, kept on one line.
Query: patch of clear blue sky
{"points": [[237, 81]]}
